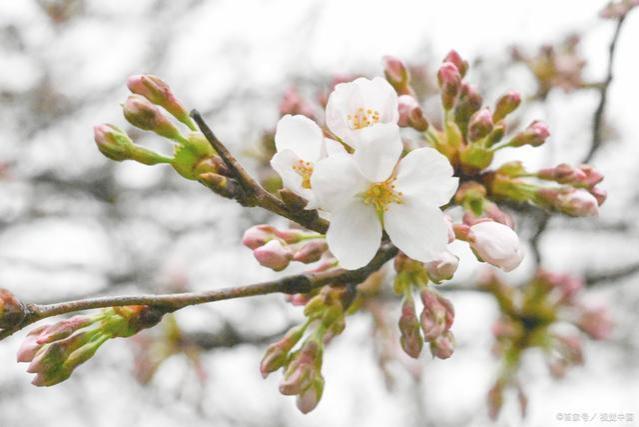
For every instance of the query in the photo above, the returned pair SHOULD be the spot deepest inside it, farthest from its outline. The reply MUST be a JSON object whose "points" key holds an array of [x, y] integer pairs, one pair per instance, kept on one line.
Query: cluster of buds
{"points": [[575, 193], [436, 318], [193, 157], [276, 249], [54, 351], [325, 318], [528, 318], [559, 66]]}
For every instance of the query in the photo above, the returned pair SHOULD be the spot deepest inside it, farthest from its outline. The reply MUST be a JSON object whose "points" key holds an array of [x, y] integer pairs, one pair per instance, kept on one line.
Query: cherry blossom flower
{"points": [[365, 112], [300, 143], [365, 195]]}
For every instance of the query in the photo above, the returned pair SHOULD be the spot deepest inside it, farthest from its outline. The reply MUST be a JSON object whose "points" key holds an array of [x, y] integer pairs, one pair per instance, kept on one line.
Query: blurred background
{"points": [[73, 224]]}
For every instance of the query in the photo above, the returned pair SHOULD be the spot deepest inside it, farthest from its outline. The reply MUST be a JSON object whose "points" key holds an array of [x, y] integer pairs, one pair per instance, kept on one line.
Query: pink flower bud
{"points": [[438, 314], [141, 113], [469, 102], [276, 353], [571, 348], [309, 398], [411, 338], [273, 255], [158, 92], [493, 212], [599, 194], [535, 134], [443, 346], [596, 322], [411, 114], [292, 103], [397, 74], [454, 58], [442, 268], [311, 251], [506, 104], [593, 176], [449, 80], [495, 400], [30, 345], [301, 370], [578, 202], [480, 125], [496, 244], [258, 235], [113, 142]]}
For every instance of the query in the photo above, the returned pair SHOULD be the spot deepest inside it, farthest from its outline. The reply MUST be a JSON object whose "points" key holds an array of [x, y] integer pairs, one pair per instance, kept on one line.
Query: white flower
{"points": [[496, 244], [367, 193], [300, 143], [364, 112]]}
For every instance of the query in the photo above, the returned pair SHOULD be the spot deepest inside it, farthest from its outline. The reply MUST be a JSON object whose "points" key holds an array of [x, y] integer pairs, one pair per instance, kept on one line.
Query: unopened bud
{"points": [[476, 157], [292, 103], [411, 338], [596, 322], [302, 369], [273, 255], [12, 311], [496, 244], [411, 114], [506, 104], [276, 353], [311, 251], [535, 134], [449, 80], [397, 74], [258, 235], [158, 92], [222, 185], [141, 113], [480, 125], [571, 201], [443, 346], [308, 399], [460, 63], [495, 400], [443, 267], [469, 102], [437, 316], [599, 194], [115, 144]]}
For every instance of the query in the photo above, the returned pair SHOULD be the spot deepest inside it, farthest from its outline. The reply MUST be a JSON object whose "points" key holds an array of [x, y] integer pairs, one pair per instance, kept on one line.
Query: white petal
{"points": [[417, 229], [354, 234], [427, 174], [378, 150], [336, 181], [282, 162], [379, 95], [301, 135], [332, 147], [344, 99]]}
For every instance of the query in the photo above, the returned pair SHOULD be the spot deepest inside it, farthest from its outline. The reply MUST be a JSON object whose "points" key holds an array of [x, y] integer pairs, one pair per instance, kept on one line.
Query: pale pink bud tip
{"points": [[496, 244], [480, 125], [411, 114], [273, 255], [506, 105], [258, 235], [397, 74], [578, 203], [442, 268], [455, 58]]}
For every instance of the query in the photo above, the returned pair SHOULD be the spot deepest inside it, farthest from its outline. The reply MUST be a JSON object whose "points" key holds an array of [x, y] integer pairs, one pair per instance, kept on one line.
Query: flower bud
{"points": [[599, 194], [302, 369], [496, 244], [459, 62], [469, 102], [571, 201], [141, 113], [158, 92], [309, 398], [273, 255], [495, 400], [311, 251], [437, 316], [443, 346], [12, 311], [449, 80], [596, 323], [397, 74], [512, 169], [506, 104], [443, 267], [276, 353], [115, 144], [258, 235], [475, 157], [292, 103], [411, 114], [411, 338], [480, 125], [535, 134]]}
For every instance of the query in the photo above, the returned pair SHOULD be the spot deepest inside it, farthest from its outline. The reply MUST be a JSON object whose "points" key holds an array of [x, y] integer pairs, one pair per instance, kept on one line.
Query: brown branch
{"points": [[300, 283], [598, 119], [607, 277]]}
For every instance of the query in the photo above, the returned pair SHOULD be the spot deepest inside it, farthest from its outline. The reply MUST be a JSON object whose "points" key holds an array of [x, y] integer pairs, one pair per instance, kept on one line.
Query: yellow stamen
{"points": [[363, 118], [305, 170], [382, 194]]}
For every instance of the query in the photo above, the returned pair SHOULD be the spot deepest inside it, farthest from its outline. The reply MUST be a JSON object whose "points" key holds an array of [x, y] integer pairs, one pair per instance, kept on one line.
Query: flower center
{"points": [[305, 170], [362, 118], [382, 194]]}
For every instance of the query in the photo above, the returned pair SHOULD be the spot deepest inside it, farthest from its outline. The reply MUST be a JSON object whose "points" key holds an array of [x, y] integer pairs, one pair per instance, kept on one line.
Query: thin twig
{"points": [[598, 119]]}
